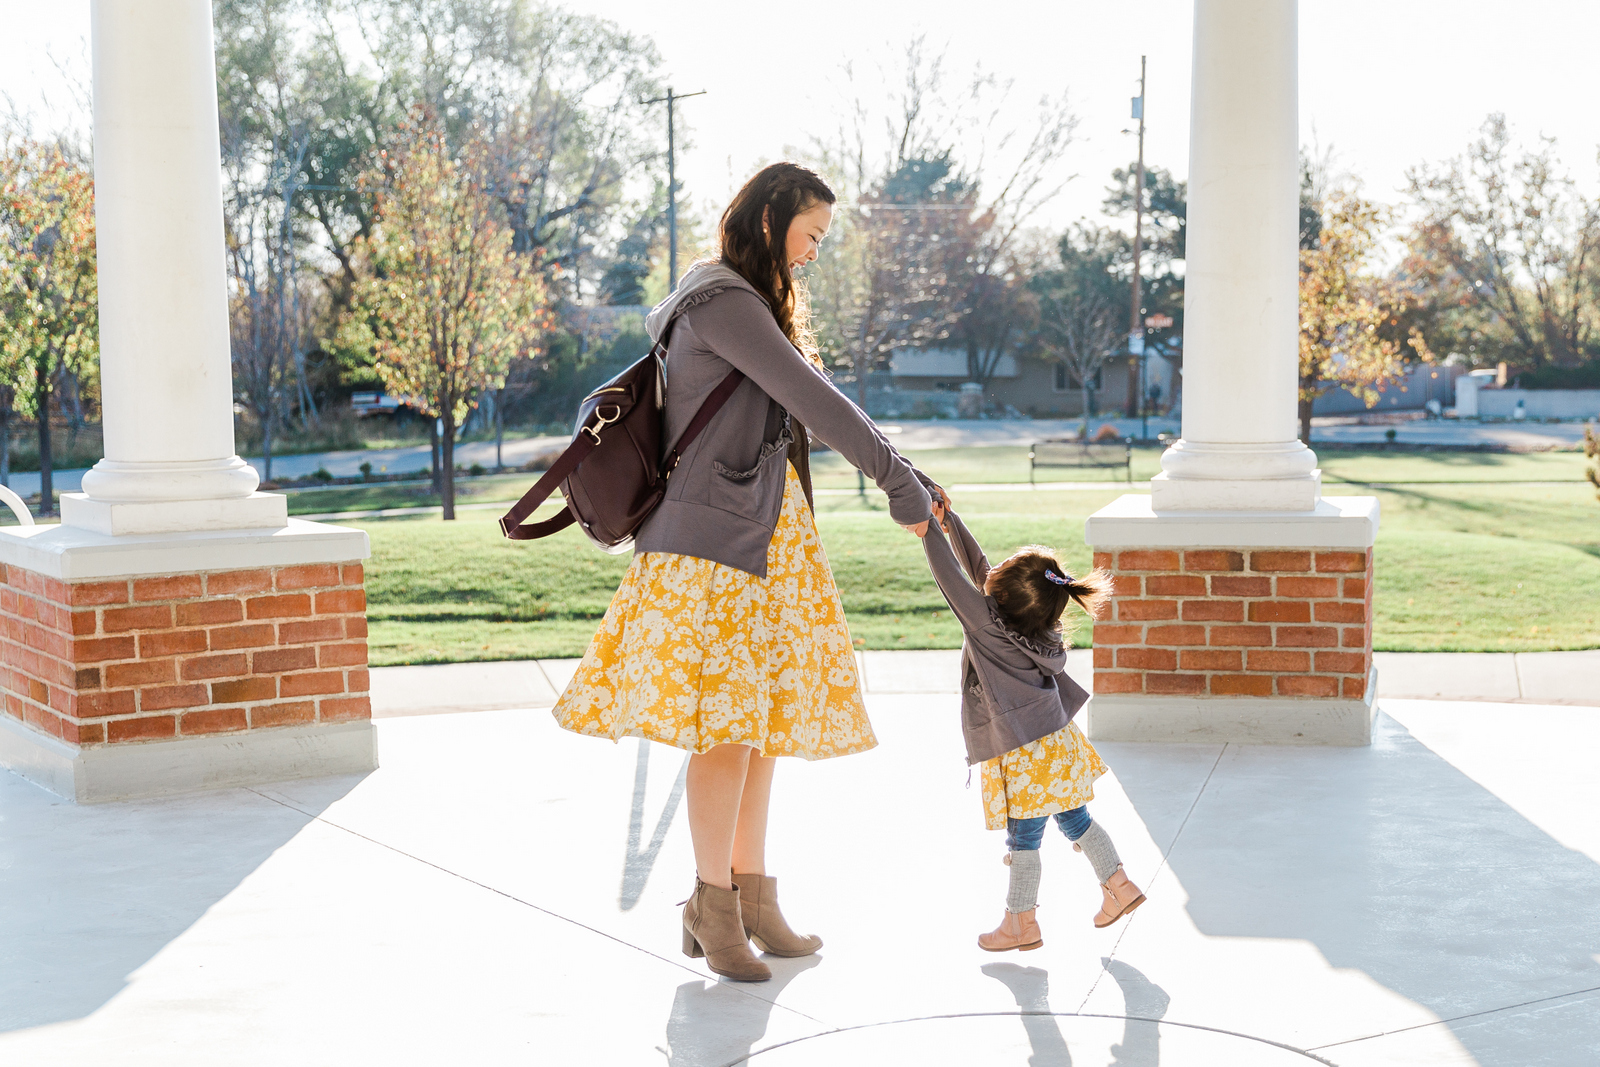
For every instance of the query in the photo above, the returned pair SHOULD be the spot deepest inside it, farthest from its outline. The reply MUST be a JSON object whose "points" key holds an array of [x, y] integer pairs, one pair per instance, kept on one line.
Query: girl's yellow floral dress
{"points": [[696, 654], [1054, 773]]}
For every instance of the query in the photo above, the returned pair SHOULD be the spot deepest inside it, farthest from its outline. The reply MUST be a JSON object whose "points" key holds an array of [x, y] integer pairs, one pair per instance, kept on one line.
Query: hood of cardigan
{"points": [[700, 283], [1051, 656]]}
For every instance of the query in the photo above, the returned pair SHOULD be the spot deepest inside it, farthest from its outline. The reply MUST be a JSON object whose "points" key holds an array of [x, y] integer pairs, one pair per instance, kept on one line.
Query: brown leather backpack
{"points": [[614, 473]]}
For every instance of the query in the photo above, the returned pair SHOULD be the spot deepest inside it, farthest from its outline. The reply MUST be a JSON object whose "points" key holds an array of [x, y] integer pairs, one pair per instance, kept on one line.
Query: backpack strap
{"points": [[703, 417], [511, 523]]}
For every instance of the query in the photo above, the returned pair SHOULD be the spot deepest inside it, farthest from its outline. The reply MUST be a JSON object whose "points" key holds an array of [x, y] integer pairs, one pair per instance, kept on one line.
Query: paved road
{"points": [[908, 435]]}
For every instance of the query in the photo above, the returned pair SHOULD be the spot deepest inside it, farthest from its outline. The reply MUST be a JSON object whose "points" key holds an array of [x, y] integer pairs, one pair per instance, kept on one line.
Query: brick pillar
{"points": [[1265, 640], [1228, 623], [151, 684]]}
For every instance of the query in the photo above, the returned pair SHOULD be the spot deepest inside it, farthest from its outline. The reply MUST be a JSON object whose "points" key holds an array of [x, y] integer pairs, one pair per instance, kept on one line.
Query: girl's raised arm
{"points": [[968, 602]]}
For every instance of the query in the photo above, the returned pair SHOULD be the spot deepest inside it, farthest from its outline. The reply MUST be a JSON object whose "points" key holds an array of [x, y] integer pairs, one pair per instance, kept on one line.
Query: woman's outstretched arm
{"points": [[738, 327]]}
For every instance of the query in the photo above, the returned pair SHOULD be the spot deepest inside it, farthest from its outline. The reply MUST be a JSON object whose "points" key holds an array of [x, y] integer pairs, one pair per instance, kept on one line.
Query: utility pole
{"points": [[1135, 328], [672, 184]]}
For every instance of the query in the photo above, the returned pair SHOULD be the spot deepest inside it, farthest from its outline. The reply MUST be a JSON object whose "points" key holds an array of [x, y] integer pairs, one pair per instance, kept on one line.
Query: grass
{"points": [[956, 466], [1461, 567], [1000, 465]]}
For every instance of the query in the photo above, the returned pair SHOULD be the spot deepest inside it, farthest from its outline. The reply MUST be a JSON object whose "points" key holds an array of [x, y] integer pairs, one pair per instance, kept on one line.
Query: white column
{"points": [[1239, 449], [166, 382]]}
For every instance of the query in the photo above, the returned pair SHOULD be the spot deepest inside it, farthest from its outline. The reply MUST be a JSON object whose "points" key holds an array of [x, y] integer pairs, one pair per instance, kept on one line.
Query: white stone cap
{"points": [[72, 554], [1336, 522]]}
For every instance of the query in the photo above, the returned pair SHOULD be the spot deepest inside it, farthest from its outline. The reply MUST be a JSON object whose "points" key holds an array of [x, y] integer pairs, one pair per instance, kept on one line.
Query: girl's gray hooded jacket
{"points": [[1013, 689], [724, 498]]}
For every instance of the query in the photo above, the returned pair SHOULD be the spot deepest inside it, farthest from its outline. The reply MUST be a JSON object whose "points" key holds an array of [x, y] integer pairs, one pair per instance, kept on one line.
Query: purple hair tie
{"points": [[1054, 577]]}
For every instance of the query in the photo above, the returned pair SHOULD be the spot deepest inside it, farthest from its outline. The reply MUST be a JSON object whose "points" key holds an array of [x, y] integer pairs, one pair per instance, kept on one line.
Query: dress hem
{"points": [[641, 733]]}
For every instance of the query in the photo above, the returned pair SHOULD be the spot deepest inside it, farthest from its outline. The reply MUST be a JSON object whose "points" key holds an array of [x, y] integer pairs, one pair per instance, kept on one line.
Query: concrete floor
{"points": [[501, 892]]}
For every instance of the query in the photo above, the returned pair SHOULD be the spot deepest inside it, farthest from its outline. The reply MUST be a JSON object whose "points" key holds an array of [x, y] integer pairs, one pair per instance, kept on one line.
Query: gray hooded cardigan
{"points": [[723, 500], [1013, 689]]}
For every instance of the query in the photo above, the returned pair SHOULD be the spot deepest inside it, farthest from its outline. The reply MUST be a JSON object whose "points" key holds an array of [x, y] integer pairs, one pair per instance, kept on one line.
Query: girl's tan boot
{"points": [[1017, 930], [1121, 897], [764, 923], [712, 928]]}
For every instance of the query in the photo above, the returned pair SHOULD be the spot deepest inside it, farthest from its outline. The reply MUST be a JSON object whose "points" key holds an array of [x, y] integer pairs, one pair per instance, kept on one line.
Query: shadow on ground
{"points": [[1391, 861], [91, 893]]}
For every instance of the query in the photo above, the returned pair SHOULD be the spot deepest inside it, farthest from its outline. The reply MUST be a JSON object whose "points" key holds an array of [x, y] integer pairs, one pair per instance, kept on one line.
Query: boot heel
{"points": [[691, 947]]}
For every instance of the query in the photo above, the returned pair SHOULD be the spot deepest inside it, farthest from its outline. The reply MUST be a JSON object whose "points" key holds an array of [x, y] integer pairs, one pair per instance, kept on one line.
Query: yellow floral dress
{"points": [[696, 654], [1054, 773]]}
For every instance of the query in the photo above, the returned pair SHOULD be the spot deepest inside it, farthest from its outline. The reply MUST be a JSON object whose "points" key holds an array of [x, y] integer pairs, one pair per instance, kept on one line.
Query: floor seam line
{"points": [[1456, 1018], [527, 903], [1111, 955]]}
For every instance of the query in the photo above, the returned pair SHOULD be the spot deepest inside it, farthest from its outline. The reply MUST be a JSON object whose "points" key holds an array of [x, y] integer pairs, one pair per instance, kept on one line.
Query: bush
{"points": [[477, 470], [366, 471], [322, 474]]}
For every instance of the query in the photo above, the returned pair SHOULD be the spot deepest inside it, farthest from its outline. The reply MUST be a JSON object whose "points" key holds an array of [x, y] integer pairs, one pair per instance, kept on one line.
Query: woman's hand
{"points": [[920, 529]]}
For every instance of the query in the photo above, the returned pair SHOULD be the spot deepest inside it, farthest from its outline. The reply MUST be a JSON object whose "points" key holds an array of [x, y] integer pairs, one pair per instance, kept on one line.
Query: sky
{"points": [[1384, 84]]}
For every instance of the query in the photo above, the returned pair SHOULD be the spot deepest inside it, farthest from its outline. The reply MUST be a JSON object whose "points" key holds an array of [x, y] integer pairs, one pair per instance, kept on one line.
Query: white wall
{"points": [[1540, 403]]}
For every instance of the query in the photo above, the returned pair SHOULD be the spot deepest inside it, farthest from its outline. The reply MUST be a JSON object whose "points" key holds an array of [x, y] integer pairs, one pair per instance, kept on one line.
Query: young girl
{"points": [[1017, 705]]}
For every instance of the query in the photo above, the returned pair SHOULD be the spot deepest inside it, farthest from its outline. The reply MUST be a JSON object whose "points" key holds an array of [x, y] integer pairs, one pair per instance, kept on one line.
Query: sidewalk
{"points": [[503, 892], [1523, 677]]}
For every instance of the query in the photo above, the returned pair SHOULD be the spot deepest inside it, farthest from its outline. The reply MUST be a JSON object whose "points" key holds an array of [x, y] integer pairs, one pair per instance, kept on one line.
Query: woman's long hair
{"points": [[775, 196]]}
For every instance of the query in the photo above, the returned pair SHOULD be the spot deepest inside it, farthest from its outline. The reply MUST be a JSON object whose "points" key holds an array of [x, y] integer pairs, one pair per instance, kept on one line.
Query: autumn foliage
{"points": [[49, 295], [443, 303], [1348, 317]]}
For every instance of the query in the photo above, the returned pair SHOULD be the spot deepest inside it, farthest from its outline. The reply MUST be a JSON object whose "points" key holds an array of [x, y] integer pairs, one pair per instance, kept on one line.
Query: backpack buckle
{"points": [[601, 422]]}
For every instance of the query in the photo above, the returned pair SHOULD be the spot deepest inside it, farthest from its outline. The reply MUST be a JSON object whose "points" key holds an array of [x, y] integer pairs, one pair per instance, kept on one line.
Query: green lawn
{"points": [[962, 466], [1461, 567]]}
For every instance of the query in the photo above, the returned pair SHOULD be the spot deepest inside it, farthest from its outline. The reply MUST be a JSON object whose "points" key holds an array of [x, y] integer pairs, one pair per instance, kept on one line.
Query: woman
{"points": [[726, 637]]}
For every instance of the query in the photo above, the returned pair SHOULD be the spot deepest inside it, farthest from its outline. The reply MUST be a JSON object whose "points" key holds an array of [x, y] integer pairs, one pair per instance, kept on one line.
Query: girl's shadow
{"points": [[1141, 1040]]}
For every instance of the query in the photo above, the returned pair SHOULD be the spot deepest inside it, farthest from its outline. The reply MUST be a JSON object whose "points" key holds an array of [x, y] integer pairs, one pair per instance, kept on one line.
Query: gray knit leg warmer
{"points": [[1096, 844], [1024, 892]]}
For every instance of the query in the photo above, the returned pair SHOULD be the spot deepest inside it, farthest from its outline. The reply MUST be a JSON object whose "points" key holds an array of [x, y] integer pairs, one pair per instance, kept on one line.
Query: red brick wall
{"points": [[136, 659], [1246, 622]]}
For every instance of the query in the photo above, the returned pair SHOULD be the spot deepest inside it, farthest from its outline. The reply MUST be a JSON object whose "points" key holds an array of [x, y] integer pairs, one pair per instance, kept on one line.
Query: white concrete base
{"points": [[1133, 521], [1235, 494], [72, 554], [1240, 720], [120, 519], [156, 768]]}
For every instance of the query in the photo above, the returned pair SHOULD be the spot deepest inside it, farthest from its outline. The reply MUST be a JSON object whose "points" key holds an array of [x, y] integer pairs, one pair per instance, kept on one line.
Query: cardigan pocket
{"points": [[756, 493]]}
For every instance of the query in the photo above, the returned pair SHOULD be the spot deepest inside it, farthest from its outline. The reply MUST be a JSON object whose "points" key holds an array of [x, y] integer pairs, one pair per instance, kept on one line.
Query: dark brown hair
{"points": [[1032, 602], [775, 196]]}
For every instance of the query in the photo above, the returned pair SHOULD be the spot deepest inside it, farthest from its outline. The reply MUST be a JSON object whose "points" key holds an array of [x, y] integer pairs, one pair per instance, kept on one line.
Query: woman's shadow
{"points": [[1144, 1003], [715, 1023]]}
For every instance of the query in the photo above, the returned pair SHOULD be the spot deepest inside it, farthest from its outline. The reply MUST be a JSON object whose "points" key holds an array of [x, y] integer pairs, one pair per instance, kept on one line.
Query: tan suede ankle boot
{"points": [[764, 923], [1120, 897], [1017, 930], [712, 928]]}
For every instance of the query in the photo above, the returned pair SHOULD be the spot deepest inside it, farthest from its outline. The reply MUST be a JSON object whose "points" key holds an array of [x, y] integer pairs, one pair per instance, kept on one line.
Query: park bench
{"points": [[1071, 452]]}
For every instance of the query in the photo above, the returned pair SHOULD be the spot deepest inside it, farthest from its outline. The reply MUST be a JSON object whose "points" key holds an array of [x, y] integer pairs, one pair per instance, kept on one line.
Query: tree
{"points": [[445, 301], [1516, 241], [924, 254], [885, 283], [1345, 314], [48, 284], [1166, 221], [1080, 313]]}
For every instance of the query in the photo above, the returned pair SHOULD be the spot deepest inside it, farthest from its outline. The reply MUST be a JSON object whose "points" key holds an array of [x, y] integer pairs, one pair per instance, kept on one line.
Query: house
{"points": [[927, 383]]}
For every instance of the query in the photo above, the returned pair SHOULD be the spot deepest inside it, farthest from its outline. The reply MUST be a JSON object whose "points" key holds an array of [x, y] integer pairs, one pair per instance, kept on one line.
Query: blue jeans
{"points": [[1025, 835]]}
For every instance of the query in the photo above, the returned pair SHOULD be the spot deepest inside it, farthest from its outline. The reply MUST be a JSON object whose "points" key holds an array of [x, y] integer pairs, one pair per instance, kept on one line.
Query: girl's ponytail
{"points": [[1032, 590], [1090, 592]]}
